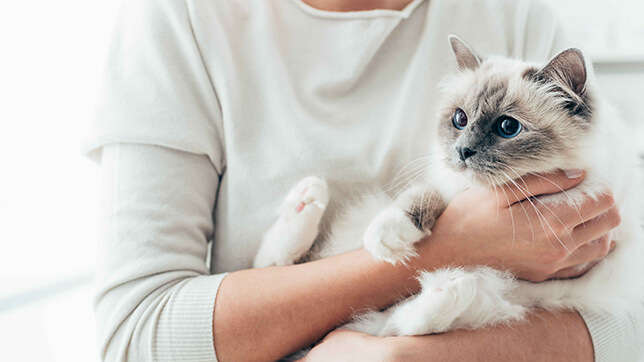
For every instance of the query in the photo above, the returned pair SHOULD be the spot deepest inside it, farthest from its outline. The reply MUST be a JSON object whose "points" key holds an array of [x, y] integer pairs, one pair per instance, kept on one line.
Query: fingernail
{"points": [[612, 245], [574, 173]]}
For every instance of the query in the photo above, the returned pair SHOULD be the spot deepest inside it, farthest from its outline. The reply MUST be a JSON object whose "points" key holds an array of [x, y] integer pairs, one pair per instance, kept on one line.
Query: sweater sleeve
{"points": [[616, 336], [155, 294], [156, 89], [158, 135]]}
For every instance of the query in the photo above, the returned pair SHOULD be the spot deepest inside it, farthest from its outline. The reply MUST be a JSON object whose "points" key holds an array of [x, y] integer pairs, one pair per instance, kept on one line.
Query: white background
{"points": [[50, 62]]}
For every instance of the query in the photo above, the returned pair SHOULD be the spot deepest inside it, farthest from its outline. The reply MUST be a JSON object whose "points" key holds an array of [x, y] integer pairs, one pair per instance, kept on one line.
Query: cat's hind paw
{"points": [[456, 298]]}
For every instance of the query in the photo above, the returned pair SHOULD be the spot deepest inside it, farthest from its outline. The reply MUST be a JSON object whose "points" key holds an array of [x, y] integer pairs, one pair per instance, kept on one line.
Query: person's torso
{"points": [[349, 97]]}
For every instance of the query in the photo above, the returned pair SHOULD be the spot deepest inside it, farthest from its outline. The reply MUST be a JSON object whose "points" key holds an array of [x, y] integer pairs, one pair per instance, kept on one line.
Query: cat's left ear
{"points": [[568, 69]]}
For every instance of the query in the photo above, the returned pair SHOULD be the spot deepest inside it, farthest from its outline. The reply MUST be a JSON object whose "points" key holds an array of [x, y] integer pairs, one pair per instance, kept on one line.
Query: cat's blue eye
{"points": [[508, 127], [459, 119]]}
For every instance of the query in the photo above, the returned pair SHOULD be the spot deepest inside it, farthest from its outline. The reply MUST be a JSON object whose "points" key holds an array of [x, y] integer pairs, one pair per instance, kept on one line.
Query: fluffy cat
{"points": [[500, 119]]}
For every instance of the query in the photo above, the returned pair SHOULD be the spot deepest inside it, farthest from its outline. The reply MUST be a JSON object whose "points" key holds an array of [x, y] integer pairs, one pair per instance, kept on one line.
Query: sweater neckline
{"points": [[360, 14]]}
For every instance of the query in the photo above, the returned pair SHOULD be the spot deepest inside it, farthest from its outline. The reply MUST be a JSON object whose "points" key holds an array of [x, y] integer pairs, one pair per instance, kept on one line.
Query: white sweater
{"points": [[211, 110]]}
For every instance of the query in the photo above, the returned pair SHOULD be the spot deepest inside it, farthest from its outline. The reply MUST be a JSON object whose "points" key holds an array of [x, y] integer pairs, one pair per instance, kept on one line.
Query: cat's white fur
{"points": [[475, 297]]}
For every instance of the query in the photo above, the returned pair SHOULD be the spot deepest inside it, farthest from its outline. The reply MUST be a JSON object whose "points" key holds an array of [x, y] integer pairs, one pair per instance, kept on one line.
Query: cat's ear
{"points": [[567, 69], [465, 56]]}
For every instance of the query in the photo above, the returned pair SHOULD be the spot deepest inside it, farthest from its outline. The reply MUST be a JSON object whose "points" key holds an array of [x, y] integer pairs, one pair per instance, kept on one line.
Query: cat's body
{"points": [[565, 125]]}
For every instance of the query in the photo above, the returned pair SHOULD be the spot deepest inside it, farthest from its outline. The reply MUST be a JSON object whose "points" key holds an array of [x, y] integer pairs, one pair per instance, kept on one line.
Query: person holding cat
{"points": [[211, 110]]}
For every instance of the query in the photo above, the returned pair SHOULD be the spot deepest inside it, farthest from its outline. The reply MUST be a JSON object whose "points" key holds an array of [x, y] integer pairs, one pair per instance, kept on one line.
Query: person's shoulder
{"points": [[502, 9]]}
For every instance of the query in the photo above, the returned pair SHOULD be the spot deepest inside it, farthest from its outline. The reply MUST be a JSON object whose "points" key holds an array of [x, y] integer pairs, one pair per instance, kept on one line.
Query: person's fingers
{"points": [[590, 208], [596, 227], [567, 215], [535, 185], [593, 250], [574, 271], [580, 269]]}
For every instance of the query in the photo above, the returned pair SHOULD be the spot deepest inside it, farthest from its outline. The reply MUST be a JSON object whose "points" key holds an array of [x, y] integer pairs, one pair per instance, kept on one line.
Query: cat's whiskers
{"points": [[410, 176], [409, 181], [540, 216], [511, 216], [547, 208], [429, 182], [493, 183], [522, 206], [422, 171], [415, 158], [402, 173], [572, 202]]}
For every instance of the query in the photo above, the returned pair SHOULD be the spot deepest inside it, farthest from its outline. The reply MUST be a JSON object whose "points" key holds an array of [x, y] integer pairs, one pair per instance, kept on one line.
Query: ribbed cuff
{"points": [[184, 330], [616, 336]]}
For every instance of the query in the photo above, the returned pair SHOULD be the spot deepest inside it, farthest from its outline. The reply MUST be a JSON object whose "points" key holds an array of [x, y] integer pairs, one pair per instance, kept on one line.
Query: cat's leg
{"points": [[292, 235], [371, 322], [456, 298], [392, 233]]}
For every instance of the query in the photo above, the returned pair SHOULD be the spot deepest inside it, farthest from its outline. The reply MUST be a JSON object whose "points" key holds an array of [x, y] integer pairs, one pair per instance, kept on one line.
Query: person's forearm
{"points": [[544, 336], [265, 314]]}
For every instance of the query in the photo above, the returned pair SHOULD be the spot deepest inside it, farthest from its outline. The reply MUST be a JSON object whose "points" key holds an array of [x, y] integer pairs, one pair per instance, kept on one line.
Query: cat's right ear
{"points": [[465, 56]]}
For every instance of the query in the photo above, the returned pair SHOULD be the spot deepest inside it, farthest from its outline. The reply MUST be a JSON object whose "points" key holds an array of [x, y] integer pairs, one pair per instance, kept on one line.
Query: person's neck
{"points": [[357, 5]]}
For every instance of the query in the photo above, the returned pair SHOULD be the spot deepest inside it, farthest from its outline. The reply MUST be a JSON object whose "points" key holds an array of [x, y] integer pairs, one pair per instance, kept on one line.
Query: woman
{"points": [[211, 110]]}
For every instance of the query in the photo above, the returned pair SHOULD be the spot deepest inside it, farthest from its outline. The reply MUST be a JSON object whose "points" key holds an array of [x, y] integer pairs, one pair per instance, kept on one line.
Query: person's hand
{"points": [[346, 345], [508, 228]]}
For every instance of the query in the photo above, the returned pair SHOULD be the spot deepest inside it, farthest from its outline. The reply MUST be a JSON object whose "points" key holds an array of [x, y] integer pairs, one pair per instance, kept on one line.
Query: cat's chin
{"points": [[473, 178]]}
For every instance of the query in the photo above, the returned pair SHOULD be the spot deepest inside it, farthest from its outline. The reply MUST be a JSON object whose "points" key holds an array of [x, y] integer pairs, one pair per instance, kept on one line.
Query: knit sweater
{"points": [[211, 110]]}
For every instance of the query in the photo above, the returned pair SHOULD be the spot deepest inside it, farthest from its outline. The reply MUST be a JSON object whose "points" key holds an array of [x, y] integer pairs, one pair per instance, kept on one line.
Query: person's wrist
{"points": [[435, 252]]}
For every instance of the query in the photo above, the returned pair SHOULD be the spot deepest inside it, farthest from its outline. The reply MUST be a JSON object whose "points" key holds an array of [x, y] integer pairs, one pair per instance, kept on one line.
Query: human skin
{"points": [[541, 337], [357, 5], [265, 314]]}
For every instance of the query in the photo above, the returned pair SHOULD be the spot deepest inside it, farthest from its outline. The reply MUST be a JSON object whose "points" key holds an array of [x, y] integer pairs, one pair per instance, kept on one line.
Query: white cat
{"points": [[500, 119]]}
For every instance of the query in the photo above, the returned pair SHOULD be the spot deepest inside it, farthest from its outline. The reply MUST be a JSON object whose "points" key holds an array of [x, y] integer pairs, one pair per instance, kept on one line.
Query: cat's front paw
{"points": [[309, 192], [391, 236], [293, 233]]}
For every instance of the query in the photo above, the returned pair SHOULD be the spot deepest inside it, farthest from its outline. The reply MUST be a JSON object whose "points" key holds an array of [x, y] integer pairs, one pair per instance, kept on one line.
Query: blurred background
{"points": [[53, 53]]}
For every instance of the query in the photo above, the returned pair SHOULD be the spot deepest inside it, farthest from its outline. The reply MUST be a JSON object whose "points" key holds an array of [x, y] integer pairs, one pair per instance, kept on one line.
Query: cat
{"points": [[499, 119]]}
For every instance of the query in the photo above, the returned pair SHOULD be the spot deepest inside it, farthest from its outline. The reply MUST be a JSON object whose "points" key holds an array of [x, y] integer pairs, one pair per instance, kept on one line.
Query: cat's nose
{"points": [[465, 152]]}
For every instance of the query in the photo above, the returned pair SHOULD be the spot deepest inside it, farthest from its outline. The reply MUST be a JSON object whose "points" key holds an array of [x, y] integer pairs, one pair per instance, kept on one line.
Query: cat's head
{"points": [[502, 118]]}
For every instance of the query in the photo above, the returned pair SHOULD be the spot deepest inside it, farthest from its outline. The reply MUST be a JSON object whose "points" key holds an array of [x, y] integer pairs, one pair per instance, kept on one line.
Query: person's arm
{"points": [[154, 292], [541, 337]]}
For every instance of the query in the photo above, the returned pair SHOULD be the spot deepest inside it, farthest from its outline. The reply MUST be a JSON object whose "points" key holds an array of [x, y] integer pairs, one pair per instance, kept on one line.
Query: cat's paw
{"points": [[391, 236], [370, 323], [292, 235], [310, 192], [435, 309], [456, 298]]}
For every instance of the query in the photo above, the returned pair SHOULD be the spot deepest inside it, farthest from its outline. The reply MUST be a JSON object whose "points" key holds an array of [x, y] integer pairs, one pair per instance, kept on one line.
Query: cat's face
{"points": [[501, 119]]}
